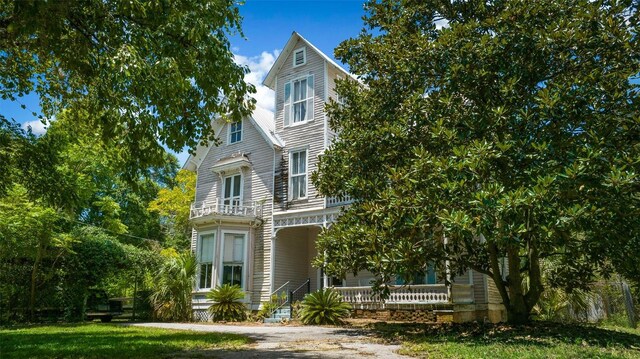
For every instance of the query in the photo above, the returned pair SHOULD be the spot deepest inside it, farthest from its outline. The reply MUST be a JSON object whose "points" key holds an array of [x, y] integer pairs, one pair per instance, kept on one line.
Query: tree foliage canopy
{"points": [[144, 70], [512, 132]]}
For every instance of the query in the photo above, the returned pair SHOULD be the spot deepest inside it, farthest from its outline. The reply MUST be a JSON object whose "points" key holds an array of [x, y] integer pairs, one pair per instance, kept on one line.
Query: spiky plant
{"points": [[324, 307], [227, 304], [171, 298]]}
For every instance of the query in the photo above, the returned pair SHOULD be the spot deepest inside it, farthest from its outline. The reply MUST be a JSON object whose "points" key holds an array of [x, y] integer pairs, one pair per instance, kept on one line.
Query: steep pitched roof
{"points": [[269, 80], [261, 119]]}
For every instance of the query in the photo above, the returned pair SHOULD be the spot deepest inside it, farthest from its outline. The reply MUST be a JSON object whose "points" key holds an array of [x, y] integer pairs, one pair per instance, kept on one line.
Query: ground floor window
{"points": [[233, 259], [423, 277], [205, 259]]}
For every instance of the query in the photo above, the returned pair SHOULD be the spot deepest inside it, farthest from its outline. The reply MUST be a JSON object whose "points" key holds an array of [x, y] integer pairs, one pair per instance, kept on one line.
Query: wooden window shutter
{"points": [[287, 104], [310, 97]]}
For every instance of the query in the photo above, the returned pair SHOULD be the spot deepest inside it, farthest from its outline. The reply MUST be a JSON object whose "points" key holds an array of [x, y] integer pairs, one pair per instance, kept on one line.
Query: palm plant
{"points": [[227, 304], [171, 299], [324, 307]]}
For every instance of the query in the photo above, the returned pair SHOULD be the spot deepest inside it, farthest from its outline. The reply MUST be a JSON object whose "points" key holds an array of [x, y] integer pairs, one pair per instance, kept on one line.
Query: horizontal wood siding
{"points": [[257, 186], [362, 279], [479, 287], [309, 135], [333, 74], [291, 256]]}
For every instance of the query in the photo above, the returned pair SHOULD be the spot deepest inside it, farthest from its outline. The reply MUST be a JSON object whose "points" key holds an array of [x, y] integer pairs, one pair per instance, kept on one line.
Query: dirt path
{"points": [[279, 341]]}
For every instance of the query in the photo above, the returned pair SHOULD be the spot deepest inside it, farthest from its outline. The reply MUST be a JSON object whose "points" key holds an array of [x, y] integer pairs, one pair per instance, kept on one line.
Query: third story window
{"points": [[235, 132], [298, 100], [298, 174]]}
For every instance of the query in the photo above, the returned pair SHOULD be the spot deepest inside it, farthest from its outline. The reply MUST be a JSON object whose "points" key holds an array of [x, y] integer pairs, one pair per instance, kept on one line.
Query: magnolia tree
{"points": [[492, 135]]}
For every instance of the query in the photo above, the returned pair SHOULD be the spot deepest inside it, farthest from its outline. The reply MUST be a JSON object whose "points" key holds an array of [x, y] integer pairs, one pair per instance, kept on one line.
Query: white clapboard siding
{"points": [[309, 135], [257, 186]]}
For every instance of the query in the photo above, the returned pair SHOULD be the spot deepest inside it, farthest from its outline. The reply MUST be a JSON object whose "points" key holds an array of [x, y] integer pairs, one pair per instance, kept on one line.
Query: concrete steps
{"points": [[279, 315]]}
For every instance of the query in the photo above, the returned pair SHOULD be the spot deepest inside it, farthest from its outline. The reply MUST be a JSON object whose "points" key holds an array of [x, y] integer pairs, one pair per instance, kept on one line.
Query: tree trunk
{"points": [[34, 277], [517, 303]]}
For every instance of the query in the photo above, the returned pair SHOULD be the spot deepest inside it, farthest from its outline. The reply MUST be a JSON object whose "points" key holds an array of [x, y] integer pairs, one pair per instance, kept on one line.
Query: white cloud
{"points": [[259, 67], [37, 127]]}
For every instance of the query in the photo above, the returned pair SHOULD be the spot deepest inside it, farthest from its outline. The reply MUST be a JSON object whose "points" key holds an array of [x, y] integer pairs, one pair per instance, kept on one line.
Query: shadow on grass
{"points": [[108, 341], [541, 334]]}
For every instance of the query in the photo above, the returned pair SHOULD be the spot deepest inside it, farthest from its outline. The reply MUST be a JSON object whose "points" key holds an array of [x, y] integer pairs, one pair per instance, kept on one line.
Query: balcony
{"points": [[339, 201], [218, 209]]}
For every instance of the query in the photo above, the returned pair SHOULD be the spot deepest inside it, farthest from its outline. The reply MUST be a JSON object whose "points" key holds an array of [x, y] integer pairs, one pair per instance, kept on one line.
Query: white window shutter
{"points": [[310, 97], [287, 104]]}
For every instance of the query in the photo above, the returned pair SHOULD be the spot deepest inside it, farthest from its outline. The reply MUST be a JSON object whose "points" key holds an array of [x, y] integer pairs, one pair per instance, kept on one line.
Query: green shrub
{"points": [[323, 307], [227, 304]]}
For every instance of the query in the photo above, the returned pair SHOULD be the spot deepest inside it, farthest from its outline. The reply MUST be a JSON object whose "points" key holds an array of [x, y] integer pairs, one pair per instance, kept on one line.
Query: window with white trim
{"points": [[423, 277], [233, 259], [235, 132], [205, 258], [298, 100], [300, 57], [232, 193], [298, 174]]}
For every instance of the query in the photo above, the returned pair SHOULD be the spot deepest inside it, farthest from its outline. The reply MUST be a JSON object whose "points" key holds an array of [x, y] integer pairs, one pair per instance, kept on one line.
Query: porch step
{"points": [[279, 315]]}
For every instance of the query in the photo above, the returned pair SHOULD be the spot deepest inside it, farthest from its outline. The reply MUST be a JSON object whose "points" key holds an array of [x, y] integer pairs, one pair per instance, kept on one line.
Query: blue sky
{"points": [[267, 25]]}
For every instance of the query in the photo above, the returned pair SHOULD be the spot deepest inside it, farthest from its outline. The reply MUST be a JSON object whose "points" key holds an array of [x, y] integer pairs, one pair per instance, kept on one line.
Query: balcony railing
{"points": [[414, 294], [222, 207], [339, 201]]}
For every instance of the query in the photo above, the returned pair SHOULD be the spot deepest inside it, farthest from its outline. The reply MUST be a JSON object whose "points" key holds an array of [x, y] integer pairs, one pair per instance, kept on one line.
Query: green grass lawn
{"points": [[110, 341], [542, 340]]}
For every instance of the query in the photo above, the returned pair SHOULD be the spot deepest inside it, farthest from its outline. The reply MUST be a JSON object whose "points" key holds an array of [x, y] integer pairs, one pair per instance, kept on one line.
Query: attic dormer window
{"points": [[299, 57]]}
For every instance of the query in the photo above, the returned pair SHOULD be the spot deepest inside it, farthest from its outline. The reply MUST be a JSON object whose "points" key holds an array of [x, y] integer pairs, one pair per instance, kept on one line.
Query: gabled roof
{"points": [[261, 119], [269, 80]]}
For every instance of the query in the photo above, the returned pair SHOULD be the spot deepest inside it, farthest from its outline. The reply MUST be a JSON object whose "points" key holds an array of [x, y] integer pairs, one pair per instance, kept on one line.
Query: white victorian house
{"points": [[256, 216]]}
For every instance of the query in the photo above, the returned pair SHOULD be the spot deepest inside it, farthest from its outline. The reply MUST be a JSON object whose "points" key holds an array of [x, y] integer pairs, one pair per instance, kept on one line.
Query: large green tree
{"points": [[512, 132], [173, 205], [144, 70]]}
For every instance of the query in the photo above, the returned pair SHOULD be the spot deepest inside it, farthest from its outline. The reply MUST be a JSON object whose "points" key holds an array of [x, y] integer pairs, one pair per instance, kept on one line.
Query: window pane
{"points": [[206, 275], [303, 186], [227, 187], [302, 162], [294, 162], [206, 248], [238, 249], [296, 91], [303, 89], [236, 186], [303, 111], [295, 184]]}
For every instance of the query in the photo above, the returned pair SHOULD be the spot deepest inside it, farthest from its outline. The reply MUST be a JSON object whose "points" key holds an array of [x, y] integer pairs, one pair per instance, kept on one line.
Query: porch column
{"points": [[447, 270]]}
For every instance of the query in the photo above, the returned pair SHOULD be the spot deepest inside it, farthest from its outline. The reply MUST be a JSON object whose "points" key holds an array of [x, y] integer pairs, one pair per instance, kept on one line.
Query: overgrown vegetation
{"points": [[323, 307], [227, 304], [542, 340], [71, 225], [109, 341]]}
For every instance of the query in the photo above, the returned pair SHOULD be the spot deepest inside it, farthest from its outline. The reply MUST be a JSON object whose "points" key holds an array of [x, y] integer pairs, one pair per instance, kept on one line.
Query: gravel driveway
{"points": [[279, 341]]}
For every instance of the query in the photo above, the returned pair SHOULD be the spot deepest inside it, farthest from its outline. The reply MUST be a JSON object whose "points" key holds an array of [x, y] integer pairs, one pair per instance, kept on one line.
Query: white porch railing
{"points": [[414, 294], [219, 206], [339, 201]]}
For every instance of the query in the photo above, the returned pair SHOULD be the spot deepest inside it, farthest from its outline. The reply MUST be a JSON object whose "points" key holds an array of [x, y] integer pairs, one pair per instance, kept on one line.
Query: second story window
{"points": [[235, 132], [298, 174], [298, 100], [232, 193]]}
